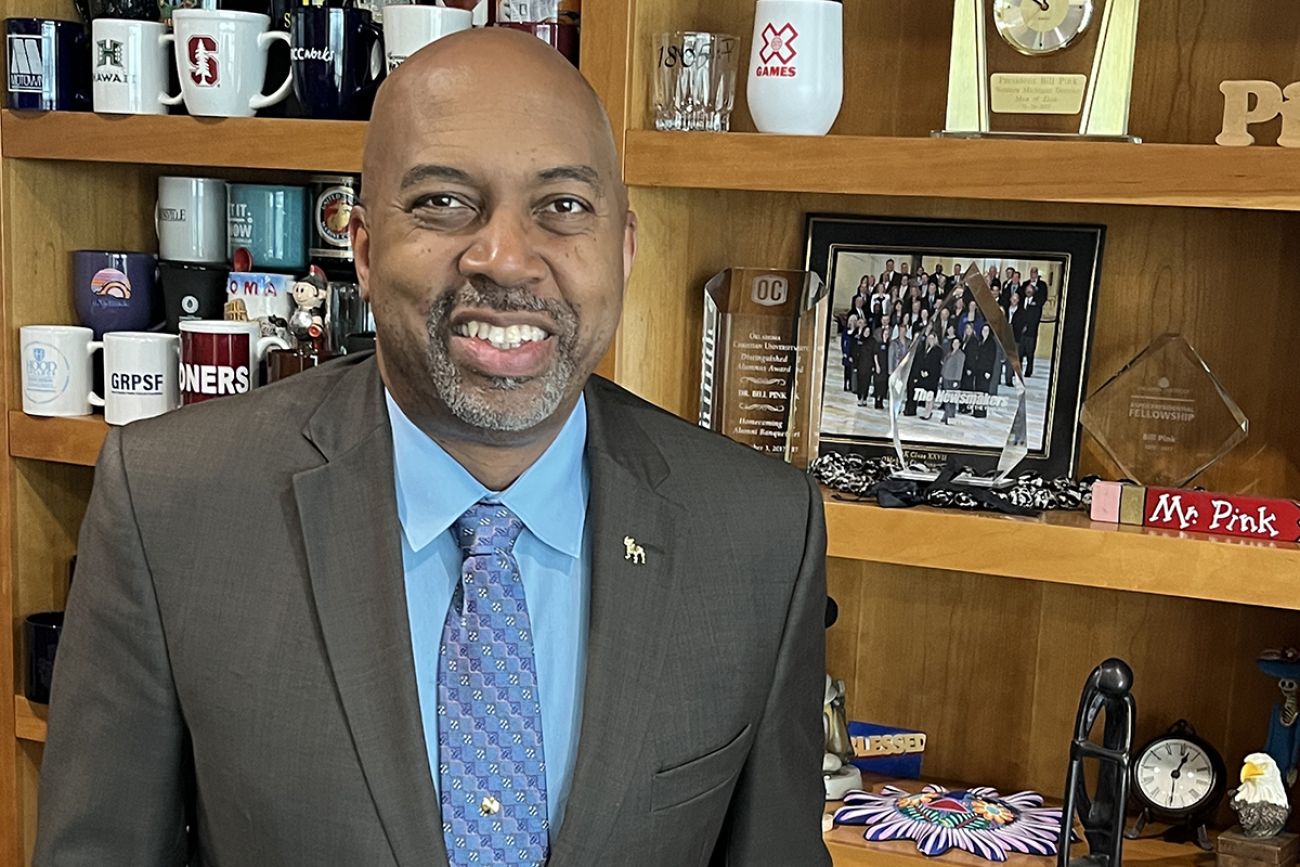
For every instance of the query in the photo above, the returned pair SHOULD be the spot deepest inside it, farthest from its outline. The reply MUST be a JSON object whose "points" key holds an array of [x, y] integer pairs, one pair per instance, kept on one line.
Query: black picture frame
{"points": [[1072, 253]]}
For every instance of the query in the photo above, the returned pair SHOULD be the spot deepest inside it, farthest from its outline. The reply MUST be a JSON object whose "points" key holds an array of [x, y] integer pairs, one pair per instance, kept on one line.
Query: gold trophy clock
{"points": [[1042, 68]]}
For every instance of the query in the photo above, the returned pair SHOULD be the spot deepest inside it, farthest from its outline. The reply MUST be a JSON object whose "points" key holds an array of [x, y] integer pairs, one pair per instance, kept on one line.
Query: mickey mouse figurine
{"points": [[307, 322]]}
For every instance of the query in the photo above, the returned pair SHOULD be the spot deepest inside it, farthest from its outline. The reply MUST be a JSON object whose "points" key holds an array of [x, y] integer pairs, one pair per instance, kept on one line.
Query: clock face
{"points": [[1041, 26], [1174, 776]]}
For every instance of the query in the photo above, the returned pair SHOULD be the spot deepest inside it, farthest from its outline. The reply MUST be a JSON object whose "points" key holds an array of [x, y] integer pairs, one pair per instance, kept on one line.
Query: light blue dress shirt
{"points": [[433, 490]]}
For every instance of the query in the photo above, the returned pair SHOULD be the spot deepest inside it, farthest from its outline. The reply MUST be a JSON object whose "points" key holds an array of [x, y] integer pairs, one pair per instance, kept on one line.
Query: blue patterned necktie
{"points": [[491, 766]]}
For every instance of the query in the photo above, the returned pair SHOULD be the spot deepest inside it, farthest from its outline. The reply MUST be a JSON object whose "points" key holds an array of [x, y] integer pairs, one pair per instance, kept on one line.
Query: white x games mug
{"points": [[140, 375], [221, 62], [796, 66], [56, 369], [129, 66]]}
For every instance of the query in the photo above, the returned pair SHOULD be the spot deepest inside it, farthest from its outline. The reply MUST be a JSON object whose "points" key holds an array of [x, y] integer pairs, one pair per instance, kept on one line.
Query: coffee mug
{"points": [[265, 297], [562, 37], [191, 219], [114, 291], [333, 197], [338, 62], [221, 62], [48, 68], [796, 86], [220, 358], [129, 60], [270, 222], [42, 633], [56, 369], [140, 375], [349, 313], [191, 292], [407, 29]]}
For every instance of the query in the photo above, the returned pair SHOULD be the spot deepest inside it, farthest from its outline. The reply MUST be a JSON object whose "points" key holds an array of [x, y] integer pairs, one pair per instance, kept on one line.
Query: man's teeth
{"points": [[510, 337]]}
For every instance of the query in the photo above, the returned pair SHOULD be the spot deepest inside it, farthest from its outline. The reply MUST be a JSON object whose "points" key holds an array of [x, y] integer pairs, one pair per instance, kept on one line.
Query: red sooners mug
{"points": [[220, 358]]}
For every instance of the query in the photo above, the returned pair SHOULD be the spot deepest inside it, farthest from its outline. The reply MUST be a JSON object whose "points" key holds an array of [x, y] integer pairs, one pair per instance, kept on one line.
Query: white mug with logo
{"points": [[140, 375], [56, 369], [221, 61], [191, 220], [796, 67], [220, 358], [129, 63], [407, 29]]}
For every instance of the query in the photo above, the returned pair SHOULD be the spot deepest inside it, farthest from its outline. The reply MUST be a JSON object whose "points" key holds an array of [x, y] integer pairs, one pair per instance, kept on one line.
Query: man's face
{"points": [[889, 264], [494, 247]]}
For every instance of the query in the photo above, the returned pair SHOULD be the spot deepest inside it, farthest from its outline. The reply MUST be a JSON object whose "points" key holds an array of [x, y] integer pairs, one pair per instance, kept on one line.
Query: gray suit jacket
{"points": [[237, 656]]}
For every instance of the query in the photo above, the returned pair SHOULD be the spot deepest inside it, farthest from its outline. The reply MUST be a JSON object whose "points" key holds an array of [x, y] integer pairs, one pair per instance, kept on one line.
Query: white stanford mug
{"points": [[56, 369], [140, 375], [221, 61], [221, 358], [796, 67], [129, 59], [407, 29]]}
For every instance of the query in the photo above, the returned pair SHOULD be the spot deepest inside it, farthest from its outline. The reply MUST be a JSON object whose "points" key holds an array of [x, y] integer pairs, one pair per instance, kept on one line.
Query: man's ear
{"points": [[359, 232], [629, 246]]}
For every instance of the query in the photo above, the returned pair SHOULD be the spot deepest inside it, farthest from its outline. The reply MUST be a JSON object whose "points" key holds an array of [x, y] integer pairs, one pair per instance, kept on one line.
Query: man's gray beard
{"points": [[467, 403]]}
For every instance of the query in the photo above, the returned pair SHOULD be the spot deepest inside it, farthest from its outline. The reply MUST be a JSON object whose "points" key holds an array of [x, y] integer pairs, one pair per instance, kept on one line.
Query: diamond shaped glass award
{"points": [[761, 378], [1165, 418], [968, 378]]}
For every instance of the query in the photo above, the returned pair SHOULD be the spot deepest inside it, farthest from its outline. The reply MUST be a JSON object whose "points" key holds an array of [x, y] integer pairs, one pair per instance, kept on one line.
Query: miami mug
{"points": [[220, 358], [221, 61], [56, 369], [129, 62]]}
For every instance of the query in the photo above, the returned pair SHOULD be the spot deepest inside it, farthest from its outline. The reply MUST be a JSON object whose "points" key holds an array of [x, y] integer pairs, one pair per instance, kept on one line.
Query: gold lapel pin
{"points": [[635, 552]]}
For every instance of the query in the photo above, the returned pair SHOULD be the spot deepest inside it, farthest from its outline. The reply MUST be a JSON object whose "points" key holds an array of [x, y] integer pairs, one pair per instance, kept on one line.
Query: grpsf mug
{"points": [[129, 65], [221, 61], [140, 375], [270, 222], [221, 358], [47, 65], [114, 291], [190, 220], [407, 29], [56, 369]]}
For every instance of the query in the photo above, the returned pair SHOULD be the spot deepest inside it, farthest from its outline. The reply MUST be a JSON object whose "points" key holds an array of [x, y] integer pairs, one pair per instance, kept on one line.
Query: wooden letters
{"points": [[1270, 101]]}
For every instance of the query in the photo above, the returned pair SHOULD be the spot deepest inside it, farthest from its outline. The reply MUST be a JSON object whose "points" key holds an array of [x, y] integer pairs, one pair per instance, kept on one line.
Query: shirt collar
{"points": [[433, 489]]}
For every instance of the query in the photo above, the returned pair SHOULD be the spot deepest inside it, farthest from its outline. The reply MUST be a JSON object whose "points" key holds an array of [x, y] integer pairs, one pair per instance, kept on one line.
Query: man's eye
{"points": [[566, 206], [440, 201]]}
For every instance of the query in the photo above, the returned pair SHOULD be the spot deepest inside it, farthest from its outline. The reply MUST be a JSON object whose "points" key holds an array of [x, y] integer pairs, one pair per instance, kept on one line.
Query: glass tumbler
{"points": [[695, 80]]}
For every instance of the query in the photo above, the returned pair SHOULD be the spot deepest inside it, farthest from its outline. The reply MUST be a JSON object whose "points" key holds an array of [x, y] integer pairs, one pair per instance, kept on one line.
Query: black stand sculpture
{"points": [[1102, 812]]}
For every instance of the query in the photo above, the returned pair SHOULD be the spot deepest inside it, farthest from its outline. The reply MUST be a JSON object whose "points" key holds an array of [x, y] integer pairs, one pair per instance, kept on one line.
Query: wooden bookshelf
{"points": [[233, 142], [74, 440], [1113, 173], [29, 719]]}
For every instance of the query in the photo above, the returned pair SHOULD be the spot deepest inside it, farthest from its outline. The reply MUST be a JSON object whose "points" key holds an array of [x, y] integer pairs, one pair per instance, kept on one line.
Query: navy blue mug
{"points": [[337, 59], [115, 291], [42, 633], [48, 64]]}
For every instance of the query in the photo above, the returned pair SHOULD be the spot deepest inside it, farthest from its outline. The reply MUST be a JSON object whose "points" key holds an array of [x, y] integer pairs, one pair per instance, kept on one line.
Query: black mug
{"points": [[192, 292], [48, 64], [42, 634], [337, 61]]}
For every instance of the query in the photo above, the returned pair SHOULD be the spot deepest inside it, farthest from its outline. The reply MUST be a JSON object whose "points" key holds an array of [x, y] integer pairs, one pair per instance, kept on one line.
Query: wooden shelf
{"points": [[1068, 548], [75, 440], [175, 140], [1209, 176], [29, 720]]}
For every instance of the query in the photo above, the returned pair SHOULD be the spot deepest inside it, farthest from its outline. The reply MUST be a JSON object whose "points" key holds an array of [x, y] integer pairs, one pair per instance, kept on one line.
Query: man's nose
{"points": [[503, 252]]}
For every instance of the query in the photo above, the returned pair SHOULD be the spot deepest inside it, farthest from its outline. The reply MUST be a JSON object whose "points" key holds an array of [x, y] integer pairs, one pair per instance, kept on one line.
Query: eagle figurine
{"points": [[1260, 804]]}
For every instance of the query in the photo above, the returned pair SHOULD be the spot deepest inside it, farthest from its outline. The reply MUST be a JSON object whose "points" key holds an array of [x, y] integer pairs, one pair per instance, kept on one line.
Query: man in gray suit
{"points": [[299, 634]]}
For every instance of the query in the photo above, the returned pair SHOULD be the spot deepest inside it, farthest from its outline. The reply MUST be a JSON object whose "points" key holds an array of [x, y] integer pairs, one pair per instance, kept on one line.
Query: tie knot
{"points": [[487, 528]]}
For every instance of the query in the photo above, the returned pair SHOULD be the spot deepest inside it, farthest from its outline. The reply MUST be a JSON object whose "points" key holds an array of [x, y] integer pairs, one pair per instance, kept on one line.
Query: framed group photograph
{"points": [[898, 298]]}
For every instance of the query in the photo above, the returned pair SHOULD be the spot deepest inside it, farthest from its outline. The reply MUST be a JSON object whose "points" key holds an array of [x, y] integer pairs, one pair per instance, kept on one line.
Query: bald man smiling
{"points": [[460, 601]]}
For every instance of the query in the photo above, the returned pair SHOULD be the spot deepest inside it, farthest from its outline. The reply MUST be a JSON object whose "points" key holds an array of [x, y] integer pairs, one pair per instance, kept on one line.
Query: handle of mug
{"points": [[265, 343], [264, 41], [166, 98], [91, 348], [378, 70]]}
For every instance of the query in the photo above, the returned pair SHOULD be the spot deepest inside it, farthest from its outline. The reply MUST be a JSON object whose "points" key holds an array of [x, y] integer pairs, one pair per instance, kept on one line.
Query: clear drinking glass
{"points": [[695, 80]]}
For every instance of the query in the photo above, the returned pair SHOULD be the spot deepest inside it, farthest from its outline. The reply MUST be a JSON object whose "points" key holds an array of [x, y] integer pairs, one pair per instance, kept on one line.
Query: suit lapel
{"points": [[351, 531], [628, 622]]}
